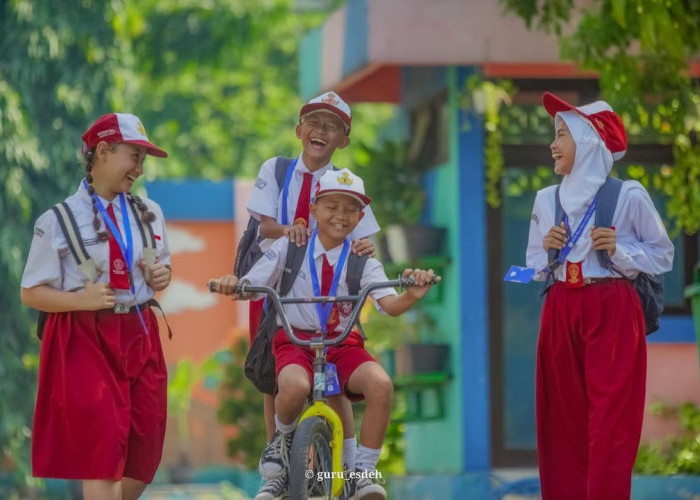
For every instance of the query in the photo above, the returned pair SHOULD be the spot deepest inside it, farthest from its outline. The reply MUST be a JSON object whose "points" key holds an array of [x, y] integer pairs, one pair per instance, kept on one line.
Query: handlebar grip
{"points": [[409, 282], [212, 287]]}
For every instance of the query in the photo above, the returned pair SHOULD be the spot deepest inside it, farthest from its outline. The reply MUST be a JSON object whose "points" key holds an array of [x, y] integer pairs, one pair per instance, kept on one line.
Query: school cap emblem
{"points": [[330, 98], [140, 127], [345, 179]]}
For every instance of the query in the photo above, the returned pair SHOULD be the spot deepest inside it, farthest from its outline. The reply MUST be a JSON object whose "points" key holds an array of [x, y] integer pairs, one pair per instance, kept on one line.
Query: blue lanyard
{"points": [[127, 249], [573, 238], [324, 310], [285, 190]]}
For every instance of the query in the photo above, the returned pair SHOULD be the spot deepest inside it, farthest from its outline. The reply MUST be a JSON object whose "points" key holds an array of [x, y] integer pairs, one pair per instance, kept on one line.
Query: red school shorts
{"points": [[101, 402], [347, 357]]}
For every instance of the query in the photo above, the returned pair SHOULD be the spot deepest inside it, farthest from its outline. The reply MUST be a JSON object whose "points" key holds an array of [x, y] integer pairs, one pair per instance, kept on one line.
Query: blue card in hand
{"points": [[519, 274]]}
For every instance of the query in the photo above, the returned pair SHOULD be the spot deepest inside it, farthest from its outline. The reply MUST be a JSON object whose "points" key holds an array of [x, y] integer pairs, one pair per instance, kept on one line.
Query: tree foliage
{"points": [[641, 50]]}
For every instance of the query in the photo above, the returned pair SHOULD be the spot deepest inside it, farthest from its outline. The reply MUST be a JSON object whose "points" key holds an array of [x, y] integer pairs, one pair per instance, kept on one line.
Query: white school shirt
{"points": [[51, 263], [266, 199], [642, 242], [268, 270]]}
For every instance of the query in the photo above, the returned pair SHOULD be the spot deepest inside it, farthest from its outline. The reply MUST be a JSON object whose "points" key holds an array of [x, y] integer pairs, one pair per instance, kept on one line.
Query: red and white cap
{"points": [[601, 116], [120, 127], [330, 102], [342, 182]]}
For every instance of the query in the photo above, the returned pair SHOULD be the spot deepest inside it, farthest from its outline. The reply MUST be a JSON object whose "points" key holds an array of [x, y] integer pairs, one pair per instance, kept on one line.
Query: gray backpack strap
{"points": [[356, 266], [281, 165], [295, 257], [553, 253], [148, 238], [75, 242], [605, 211]]}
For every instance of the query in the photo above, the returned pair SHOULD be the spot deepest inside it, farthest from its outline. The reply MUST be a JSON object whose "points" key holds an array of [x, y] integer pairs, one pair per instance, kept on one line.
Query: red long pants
{"points": [[591, 382]]}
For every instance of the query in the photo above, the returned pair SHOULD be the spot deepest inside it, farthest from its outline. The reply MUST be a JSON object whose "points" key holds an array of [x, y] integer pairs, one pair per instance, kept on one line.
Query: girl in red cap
{"points": [[94, 264], [591, 354]]}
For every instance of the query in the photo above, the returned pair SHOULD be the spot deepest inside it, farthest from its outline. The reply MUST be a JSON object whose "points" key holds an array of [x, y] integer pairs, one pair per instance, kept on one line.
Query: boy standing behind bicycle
{"points": [[338, 208]]}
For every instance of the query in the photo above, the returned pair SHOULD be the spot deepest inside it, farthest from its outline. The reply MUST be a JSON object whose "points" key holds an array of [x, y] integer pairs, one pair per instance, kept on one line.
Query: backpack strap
{"points": [[553, 253], [75, 243], [295, 257], [148, 238], [281, 165], [608, 195], [356, 266]]}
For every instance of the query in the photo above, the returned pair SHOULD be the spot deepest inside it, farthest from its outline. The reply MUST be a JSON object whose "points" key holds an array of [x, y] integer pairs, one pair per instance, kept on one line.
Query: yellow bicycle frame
{"points": [[321, 409]]}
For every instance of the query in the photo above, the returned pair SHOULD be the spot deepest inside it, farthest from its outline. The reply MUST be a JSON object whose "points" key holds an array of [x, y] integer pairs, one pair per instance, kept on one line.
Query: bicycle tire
{"points": [[310, 451]]}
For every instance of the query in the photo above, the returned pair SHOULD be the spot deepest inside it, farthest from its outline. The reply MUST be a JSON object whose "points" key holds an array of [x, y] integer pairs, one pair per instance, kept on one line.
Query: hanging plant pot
{"points": [[407, 243], [412, 359]]}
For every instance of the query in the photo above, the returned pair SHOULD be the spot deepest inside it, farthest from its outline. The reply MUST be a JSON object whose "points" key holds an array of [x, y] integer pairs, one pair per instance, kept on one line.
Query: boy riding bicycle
{"points": [[338, 204]]}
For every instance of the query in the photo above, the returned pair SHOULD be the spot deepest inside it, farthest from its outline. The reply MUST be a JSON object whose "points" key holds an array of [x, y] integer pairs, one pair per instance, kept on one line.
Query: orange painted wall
{"points": [[673, 377]]}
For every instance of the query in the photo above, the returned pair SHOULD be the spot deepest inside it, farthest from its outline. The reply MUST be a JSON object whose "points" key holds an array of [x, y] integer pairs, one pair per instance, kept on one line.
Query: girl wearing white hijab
{"points": [[591, 353]]}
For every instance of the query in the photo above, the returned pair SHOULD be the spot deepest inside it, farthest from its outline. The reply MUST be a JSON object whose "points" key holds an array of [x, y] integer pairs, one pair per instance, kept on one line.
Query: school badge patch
{"points": [[345, 309]]}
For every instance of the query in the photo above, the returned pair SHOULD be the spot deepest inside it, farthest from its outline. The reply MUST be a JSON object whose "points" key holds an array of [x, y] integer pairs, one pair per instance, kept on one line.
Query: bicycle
{"points": [[316, 451]]}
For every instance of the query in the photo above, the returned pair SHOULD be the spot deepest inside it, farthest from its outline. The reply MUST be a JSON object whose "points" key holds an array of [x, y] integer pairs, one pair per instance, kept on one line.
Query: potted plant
{"points": [[421, 351], [398, 200]]}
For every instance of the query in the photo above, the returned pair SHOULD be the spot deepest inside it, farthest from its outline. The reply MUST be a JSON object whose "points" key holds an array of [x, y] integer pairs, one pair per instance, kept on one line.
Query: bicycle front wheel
{"points": [[310, 459]]}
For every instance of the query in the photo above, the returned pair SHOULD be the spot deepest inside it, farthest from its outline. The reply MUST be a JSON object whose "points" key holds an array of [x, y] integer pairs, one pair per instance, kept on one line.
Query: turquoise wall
{"points": [[461, 441]]}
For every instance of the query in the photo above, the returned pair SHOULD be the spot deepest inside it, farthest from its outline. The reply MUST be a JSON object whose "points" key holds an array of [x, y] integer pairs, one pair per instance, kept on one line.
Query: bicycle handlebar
{"points": [[358, 300]]}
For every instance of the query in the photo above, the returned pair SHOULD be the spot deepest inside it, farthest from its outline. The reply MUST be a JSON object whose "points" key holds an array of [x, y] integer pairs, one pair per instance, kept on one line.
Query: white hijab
{"points": [[592, 164]]}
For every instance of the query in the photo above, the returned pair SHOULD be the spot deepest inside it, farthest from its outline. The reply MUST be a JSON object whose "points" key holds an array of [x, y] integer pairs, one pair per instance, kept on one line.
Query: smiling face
{"points": [[321, 133], [337, 215], [116, 168], [563, 149]]}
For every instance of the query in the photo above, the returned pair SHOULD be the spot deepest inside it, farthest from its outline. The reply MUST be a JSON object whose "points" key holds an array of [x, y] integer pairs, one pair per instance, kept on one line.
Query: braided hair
{"points": [[89, 155], [146, 215]]}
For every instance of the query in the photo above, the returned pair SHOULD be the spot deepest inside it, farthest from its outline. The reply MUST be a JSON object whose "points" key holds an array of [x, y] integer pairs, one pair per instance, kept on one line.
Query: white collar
{"points": [[333, 255], [302, 168]]}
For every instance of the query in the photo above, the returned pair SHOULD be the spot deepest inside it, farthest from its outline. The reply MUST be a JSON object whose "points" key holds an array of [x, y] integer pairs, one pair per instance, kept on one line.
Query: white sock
{"points": [[284, 428], [349, 452], [367, 458]]}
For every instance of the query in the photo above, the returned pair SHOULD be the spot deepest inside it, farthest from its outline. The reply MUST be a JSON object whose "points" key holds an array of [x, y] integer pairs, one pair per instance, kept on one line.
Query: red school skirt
{"points": [[102, 395]]}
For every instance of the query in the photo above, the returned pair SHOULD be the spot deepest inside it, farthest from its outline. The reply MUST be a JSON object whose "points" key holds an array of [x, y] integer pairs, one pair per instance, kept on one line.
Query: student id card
{"points": [[332, 384], [519, 274]]}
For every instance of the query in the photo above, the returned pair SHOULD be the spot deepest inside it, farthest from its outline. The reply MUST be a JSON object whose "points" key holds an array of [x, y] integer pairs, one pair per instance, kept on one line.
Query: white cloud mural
{"points": [[181, 296], [181, 241]]}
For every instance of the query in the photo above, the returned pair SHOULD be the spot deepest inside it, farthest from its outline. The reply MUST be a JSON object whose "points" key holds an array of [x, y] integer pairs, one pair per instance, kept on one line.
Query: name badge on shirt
{"points": [[519, 274], [332, 384], [574, 274]]}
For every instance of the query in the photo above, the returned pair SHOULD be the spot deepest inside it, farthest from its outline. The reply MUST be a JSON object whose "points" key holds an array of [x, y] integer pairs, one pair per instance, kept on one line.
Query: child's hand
{"points": [[225, 285], [422, 279], [604, 239], [555, 238], [363, 246], [158, 275], [297, 234], [96, 296]]}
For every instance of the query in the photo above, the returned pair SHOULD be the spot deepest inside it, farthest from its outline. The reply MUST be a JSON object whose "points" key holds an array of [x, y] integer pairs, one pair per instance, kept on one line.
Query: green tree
{"points": [[641, 50], [57, 62]]}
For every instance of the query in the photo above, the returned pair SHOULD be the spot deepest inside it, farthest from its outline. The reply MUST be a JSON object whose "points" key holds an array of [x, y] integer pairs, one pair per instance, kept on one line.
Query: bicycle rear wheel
{"points": [[310, 454]]}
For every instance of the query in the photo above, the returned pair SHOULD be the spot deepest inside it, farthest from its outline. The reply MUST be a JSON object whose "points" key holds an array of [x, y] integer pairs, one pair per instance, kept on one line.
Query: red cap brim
{"points": [[151, 149], [323, 106], [554, 104]]}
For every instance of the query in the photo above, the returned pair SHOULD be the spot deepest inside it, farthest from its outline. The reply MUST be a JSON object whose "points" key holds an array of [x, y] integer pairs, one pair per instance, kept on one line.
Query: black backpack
{"points": [[650, 287], [248, 251], [259, 364]]}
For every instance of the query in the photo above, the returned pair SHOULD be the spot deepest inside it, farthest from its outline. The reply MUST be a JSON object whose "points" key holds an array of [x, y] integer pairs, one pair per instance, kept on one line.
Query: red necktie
{"points": [[118, 272], [301, 216], [326, 281]]}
